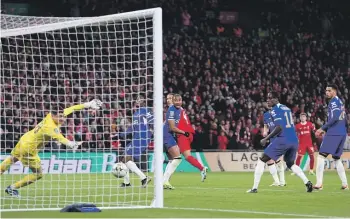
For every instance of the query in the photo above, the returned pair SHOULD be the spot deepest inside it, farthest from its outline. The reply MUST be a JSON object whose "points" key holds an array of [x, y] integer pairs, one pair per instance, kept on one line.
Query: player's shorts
{"points": [[333, 144], [184, 142], [136, 148], [303, 148], [279, 147], [169, 141], [27, 154]]}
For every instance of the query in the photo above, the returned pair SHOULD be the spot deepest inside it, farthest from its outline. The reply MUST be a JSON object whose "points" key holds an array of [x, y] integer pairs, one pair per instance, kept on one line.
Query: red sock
{"points": [[312, 161], [297, 162], [194, 162]]}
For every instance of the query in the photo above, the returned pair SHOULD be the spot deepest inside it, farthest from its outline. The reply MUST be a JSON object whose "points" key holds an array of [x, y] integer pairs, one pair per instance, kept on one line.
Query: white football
{"points": [[119, 170]]}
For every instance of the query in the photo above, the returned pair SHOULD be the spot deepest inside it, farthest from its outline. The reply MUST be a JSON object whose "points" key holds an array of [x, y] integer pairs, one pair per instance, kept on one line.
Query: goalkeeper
{"points": [[31, 142]]}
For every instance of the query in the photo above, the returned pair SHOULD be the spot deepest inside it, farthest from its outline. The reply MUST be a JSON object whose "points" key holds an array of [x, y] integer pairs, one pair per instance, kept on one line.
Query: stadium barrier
{"points": [[102, 162]]}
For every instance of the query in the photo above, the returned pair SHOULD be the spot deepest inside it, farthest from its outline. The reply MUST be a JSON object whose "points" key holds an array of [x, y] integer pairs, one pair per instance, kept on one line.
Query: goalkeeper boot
{"points": [[252, 191], [204, 173], [124, 185], [309, 186], [145, 181], [167, 185], [12, 192]]}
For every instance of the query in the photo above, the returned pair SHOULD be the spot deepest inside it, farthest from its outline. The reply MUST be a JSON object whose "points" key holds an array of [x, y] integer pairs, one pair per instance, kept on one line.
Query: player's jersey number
{"points": [[289, 119]]}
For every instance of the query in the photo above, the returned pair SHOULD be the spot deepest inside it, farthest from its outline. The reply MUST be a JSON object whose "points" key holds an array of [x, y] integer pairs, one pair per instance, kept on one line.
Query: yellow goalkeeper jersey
{"points": [[47, 129]]}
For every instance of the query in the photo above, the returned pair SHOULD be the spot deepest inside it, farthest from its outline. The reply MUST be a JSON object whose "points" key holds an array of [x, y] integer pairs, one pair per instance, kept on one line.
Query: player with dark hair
{"points": [[285, 142], [275, 168], [142, 124], [334, 139], [304, 130], [31, 142]]}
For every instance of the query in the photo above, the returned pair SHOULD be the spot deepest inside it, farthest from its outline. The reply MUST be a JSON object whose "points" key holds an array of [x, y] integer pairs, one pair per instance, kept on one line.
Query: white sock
{"points": [[341, 172], [259, 170], [171, 169], [319, 170], [280, 169], [273, 172], [299, 172], [127, 177], [132, 166]]}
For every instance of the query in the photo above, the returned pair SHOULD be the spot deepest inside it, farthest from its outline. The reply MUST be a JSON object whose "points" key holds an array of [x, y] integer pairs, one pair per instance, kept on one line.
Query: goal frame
{"points": [[156, 14]]}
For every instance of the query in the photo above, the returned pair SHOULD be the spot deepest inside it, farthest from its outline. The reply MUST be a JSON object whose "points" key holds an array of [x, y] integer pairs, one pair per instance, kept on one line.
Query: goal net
{"points": [[67, 61]]}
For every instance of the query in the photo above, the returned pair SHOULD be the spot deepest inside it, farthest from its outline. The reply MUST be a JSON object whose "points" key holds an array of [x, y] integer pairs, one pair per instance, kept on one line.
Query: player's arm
{"points": [[57, 135], [336, 115], [171, 121], [274, 132], [94, 104], [277, 120]]}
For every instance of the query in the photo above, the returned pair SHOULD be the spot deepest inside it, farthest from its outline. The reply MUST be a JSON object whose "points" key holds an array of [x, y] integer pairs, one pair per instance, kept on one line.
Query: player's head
{"points": [[303, 117], [177, 100], [272, 99], [169, 99], [57, 114], [331, 90], [140, 101]]}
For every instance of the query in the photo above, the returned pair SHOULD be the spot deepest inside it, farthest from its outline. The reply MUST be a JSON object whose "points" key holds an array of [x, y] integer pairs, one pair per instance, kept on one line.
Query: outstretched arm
{"points": [[94, 104]]}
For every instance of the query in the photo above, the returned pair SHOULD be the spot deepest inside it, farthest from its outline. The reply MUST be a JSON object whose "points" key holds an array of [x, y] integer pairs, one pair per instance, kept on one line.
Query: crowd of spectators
{"points": [[223, 71]]}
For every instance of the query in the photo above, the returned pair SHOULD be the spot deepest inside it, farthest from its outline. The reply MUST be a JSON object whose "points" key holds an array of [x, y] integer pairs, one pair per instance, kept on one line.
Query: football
{"points": [[119, 170]]}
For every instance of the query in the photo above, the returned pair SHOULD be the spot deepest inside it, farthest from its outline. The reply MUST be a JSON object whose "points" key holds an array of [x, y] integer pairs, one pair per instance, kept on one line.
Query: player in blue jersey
{"points": [[275, 168], [285, 142], [170, 130], [141, 131], [334, 139]]}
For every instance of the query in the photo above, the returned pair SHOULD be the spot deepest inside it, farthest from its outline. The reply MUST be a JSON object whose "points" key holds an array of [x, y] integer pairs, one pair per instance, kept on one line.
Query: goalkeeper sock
{"points": [[127, 177], [194, 162], [29, 179], [273, 171], [259, 170], [280, 169], [171, 169], [133, 167], [299, 172], [341, 172], [5, 164], [319, 170]]}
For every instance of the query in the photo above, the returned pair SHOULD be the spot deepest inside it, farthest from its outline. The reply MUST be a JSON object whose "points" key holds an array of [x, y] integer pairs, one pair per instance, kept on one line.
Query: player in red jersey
{"points": [[184, 142], [304, 130]]}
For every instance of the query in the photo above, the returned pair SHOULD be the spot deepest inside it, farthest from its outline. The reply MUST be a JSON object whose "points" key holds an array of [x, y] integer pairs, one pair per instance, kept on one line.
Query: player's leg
{"points": [[170, 158], [326, 148], [339, 164], [301, 153], [289, 158], [258, 172], [280, 170], [15, 155], [174, 152], [273, 171], [310, 151], [34, 164], [133, 152]]}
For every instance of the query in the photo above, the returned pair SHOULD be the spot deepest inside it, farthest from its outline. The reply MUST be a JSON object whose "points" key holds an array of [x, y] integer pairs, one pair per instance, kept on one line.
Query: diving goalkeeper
{"points": [[31, 142]]}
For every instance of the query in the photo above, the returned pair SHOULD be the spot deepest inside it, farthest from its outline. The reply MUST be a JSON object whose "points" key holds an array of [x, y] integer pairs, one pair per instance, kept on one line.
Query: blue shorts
{"points": [[169, 141], [137, 147], [333, 144], [279, 147]]}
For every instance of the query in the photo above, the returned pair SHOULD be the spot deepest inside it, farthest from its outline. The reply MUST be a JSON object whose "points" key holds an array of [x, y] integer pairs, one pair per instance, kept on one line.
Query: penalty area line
{"points": [[249, 212]]}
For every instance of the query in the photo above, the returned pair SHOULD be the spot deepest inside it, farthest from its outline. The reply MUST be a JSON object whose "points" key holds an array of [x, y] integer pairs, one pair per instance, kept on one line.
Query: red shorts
{"points": [[303, 148], [184, 142]]}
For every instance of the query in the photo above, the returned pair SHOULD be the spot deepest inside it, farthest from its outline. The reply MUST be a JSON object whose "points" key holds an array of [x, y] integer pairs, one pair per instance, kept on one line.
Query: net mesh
{"points": [[108, 60]]}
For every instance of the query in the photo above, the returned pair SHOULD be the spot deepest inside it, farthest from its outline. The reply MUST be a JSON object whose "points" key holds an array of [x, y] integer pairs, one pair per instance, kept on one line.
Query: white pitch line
{"points": [[250, 212]]}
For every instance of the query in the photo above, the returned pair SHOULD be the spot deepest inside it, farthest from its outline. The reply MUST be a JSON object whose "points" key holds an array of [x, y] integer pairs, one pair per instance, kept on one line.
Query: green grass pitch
{"points": [[221, 195]]}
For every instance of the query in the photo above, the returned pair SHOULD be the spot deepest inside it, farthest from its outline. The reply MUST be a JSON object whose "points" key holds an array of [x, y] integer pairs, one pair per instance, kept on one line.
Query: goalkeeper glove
{"points": [[93, 104], [74, 145]]}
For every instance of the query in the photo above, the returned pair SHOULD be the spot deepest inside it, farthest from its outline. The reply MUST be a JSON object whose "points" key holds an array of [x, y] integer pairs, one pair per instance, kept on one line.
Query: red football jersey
{"points": [[304, 133], [185, 123]]}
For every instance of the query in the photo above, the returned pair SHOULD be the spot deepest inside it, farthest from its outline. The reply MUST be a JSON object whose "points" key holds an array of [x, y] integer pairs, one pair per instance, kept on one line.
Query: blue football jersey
{"points": [[282, 116], [269, 121], [336, 123], [142, 123], [173, 113]]}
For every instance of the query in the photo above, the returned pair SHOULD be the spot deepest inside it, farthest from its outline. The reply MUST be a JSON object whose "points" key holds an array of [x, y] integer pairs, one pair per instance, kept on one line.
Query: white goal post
{"points": [[48, 60]]}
